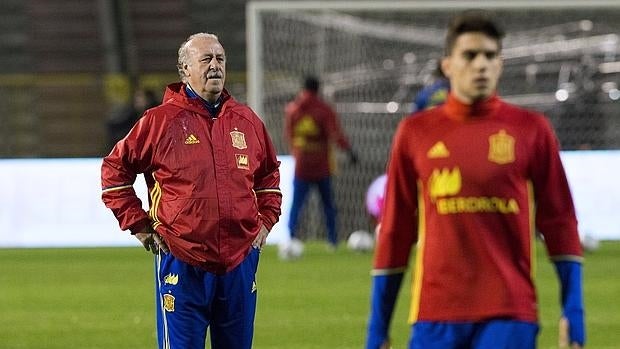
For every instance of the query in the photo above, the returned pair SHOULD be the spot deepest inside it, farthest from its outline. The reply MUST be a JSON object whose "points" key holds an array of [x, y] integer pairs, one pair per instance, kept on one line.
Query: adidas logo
{"points": [[254, 288], [191, 139], [437, 151]]}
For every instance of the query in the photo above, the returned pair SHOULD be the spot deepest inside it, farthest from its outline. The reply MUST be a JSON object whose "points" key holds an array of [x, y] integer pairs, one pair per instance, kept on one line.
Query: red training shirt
{"points": [[469, 184], [311, 129]]}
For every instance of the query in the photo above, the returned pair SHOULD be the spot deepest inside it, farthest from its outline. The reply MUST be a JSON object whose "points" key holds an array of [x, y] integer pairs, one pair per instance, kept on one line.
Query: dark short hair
{"points": [[311, 83], [473, 21]]}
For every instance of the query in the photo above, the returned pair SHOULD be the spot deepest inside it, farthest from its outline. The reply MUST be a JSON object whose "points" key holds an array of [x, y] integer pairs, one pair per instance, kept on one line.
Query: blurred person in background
{"points": [[213, 180], [434, 92], [469, 182], [312, 129], [123, 118]]}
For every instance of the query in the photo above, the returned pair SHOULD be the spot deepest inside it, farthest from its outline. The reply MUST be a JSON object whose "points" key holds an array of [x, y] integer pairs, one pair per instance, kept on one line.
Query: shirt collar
{"points": [[458, 110], [211, 107]]}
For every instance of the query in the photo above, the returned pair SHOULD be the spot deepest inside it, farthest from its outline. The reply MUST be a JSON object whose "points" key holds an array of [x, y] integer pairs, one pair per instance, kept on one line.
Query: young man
{"points": [[213, 179], [469, 182], [312, 128]]}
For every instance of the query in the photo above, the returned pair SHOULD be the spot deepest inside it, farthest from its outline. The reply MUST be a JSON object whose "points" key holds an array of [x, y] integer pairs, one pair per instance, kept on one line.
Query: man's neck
{"points": [[212, 108], [212, 100], [462, 99]]}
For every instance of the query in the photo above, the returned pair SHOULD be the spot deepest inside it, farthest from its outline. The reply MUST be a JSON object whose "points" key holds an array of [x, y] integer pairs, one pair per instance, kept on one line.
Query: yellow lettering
{"points": [[513, 206], [496, 205], [477, 205], [442, 208], [461, 205]]}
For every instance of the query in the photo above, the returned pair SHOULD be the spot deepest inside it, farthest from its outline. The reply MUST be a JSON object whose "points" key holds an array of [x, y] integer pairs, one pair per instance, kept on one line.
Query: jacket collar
{"points": [[176, 94], [460, 111]]}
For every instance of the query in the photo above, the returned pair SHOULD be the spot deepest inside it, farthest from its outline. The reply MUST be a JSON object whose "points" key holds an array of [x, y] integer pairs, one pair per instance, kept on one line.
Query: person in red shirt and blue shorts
{"points": [[312, 129], [469, 183]]}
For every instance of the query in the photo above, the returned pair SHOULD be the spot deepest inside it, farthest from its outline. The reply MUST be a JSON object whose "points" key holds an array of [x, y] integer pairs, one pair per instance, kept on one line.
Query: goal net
{"points": [[372, 57]]}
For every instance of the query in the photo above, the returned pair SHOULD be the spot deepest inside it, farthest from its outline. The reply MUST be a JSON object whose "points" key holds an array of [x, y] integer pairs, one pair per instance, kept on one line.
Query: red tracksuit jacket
{"points": [[212, 182]]}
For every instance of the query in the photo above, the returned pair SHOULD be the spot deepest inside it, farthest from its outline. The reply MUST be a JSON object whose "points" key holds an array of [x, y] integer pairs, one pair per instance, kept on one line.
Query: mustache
{"points": [[214, 74]]}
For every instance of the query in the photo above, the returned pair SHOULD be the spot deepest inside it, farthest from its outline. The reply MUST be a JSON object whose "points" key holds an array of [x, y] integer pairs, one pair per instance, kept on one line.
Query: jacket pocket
{"points": [[192, 217], [246, 213]]}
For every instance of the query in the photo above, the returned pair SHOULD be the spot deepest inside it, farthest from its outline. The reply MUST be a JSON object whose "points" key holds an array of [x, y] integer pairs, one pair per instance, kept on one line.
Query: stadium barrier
{"points": [[57, 202]]}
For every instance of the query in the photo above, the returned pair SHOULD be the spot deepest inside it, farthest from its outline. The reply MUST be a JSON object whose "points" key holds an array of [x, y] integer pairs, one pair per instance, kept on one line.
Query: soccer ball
{"points": [[291, 249], [590, 243], [360, 241]]}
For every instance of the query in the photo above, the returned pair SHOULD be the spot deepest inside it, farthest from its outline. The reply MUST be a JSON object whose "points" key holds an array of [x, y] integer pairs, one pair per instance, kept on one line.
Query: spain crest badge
{"points": [[238, 139], [501, 148], [168, 300]]}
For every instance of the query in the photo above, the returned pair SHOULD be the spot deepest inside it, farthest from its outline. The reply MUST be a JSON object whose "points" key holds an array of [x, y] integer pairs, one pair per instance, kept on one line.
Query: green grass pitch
{"points": [[103, 298]]}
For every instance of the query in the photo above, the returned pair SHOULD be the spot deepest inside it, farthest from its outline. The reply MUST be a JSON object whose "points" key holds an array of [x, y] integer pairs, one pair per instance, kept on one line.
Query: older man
{"points": [[213, 179]]}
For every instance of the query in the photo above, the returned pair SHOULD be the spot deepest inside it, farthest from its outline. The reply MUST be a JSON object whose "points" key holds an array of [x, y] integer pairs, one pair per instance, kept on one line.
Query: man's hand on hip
{"points": [[261, 238], [152, 241]]}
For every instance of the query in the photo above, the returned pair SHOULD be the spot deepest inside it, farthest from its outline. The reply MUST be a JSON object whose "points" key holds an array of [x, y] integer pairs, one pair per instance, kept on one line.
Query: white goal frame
{"points": [[254, 9]]}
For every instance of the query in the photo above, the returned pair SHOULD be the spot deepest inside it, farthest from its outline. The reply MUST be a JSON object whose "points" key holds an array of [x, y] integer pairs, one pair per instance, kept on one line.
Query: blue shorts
{"points": [[189, 300], [492, 334]]}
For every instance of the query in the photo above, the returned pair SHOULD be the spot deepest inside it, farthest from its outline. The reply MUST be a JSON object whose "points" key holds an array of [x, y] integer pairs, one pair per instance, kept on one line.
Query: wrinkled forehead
{"points": [[202, 46]]}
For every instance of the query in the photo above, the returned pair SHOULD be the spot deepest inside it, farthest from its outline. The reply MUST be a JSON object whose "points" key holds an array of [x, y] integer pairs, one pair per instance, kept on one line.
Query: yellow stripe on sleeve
{"points": [[567, 258], [531, 205], [117, 188], [416, 288], [263, 191], [376, 272]]}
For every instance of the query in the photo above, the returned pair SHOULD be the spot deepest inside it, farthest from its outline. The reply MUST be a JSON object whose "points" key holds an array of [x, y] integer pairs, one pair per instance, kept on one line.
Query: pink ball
{"points": [[375, 196]]}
